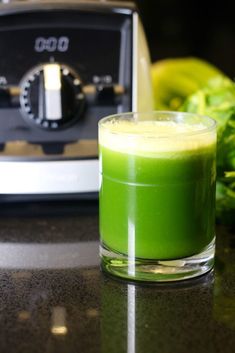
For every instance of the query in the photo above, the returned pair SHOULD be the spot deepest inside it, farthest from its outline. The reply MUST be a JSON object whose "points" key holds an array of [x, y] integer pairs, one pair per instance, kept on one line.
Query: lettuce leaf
{"points": [[217, 100]]}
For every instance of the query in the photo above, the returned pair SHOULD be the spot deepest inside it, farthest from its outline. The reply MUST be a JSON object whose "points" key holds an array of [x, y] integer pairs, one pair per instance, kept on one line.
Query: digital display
{"points": [[51, 44], [91, 52]]}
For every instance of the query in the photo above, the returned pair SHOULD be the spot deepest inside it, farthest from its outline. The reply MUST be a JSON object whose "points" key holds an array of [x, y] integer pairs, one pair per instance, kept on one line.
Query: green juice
{"points": [[157, 202]]}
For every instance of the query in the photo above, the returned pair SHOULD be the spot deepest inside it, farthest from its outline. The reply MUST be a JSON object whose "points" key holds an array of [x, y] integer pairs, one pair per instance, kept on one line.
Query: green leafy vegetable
{"points": [[217, 100], [193, 85]]}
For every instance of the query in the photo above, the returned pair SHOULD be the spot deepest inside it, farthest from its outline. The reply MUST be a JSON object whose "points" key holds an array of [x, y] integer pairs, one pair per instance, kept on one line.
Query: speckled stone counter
{"points": [[53, 297]]}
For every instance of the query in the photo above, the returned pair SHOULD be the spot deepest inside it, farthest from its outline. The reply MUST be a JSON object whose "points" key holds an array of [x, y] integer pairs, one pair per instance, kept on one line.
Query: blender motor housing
{"points": [[63, 66]]}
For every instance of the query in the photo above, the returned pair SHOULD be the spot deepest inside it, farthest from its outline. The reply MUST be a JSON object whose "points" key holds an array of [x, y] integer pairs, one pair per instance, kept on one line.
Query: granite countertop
{"points": [[53, 297]]}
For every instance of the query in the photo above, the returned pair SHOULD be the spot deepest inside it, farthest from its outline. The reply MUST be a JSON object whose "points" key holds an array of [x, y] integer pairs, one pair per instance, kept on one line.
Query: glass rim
{"points": [[206, 129]]}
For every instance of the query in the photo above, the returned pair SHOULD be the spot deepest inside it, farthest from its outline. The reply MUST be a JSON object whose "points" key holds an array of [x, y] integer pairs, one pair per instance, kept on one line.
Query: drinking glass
{"points": [[157, 195]]}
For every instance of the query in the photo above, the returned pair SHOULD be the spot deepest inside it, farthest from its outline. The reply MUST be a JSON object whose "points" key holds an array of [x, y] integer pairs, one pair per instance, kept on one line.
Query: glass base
{"points": [[157, 270]]}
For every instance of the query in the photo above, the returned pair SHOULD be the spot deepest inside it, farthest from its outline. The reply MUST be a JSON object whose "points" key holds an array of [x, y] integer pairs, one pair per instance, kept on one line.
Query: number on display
{"points": [[51, 44]]}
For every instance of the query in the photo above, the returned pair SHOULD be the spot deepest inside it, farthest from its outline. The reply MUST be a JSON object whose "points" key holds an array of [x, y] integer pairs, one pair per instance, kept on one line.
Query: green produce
{"points": [[215, 98], [175, 79]]}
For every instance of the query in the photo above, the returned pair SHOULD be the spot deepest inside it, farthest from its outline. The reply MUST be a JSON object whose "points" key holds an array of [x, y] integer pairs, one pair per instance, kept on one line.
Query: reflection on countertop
{"points": [[158, 319], [224, 286], [58, 303]]}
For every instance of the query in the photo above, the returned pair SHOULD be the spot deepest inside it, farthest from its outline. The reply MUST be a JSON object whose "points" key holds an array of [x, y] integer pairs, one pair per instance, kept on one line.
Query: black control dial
{"points": [[52, 96]]}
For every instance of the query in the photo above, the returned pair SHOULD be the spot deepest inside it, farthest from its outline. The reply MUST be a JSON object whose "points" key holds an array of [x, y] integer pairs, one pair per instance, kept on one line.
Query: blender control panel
{"points": [[69, 68]]}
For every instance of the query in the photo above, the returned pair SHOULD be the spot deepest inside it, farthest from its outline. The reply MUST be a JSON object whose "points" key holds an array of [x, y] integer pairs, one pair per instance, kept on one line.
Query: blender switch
{"points": [[9, 97], [104, 94], [52, 86]]}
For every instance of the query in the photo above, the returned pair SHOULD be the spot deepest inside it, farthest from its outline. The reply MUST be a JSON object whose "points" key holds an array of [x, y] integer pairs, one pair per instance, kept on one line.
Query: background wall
{"points": [[200, 28]]}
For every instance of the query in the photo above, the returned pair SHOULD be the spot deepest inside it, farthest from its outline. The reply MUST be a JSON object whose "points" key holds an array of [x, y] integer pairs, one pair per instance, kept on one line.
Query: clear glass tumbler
{"points": [[157, 195]]}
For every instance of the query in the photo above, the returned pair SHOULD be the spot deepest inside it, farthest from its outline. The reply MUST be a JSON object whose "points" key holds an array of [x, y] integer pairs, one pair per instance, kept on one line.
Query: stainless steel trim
{"points": [[49, 255], [24, 151], [122, 7], [50, 177], [135, 62], [122, 63]]}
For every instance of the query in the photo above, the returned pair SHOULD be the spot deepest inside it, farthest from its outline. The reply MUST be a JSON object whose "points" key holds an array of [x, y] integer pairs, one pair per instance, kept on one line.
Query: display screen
{"points": [[91, 52]]}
